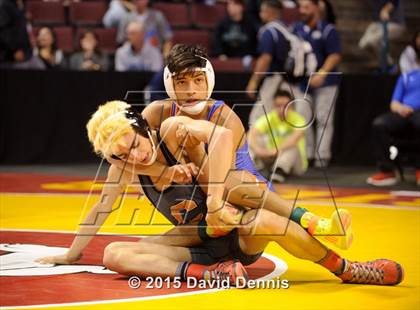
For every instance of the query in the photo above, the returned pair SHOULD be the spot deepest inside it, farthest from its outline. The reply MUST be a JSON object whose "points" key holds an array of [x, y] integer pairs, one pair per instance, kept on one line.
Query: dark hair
{"points": [[316, 2], [54, 36], [329, 12], [283, 93], [413, 43], [274, 4], [97, 50], [185, 57], [240, 2], [140, 125]]}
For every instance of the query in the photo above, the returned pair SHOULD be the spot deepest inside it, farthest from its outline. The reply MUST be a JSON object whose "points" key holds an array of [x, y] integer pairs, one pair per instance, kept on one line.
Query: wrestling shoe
{"points": [[383, 179], [231, 270], [336, 230], [377, 272]]}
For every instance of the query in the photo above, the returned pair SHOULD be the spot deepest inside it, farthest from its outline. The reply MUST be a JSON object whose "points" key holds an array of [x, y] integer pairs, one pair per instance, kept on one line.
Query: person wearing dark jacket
{"points": [[236, 35], [14, 40]]}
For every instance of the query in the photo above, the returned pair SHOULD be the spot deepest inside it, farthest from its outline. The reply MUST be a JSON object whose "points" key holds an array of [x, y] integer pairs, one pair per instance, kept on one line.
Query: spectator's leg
{"points": [[268, 89], [262, 164], [384, 128], [299, 167], [325, 106], [415, 122], [287, 160], [306, 108]]}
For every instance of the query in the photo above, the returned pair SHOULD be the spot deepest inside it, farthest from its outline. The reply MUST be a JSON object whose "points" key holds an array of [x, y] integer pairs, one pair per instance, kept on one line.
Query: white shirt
{"points": [[149, 58]]}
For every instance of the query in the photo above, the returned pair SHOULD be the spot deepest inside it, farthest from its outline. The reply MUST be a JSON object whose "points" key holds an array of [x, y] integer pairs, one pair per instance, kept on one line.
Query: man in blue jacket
{"points": [[403, 117]]}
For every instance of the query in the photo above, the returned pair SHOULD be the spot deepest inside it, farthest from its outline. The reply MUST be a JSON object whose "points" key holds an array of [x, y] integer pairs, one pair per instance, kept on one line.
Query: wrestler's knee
{"points": [[113, 256], [110, 254]]}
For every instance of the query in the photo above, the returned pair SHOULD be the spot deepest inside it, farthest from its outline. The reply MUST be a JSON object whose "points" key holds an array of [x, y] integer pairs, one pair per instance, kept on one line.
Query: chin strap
{"points": [[195, 109]]}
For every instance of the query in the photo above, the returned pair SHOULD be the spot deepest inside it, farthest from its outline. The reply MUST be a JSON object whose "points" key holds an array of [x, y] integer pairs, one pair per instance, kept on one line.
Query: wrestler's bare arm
{"points": [[156, 112], [227, 118], [115, 184]]}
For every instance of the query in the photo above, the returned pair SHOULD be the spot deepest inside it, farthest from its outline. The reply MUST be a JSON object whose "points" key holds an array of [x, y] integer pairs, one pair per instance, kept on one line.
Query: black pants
{"points": [[389, 127]]}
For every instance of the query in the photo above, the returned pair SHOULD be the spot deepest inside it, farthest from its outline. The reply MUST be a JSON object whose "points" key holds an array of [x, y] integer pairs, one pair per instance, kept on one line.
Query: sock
{"points": [[306, 219], [333, 262], [297, 215], [181, 271]]}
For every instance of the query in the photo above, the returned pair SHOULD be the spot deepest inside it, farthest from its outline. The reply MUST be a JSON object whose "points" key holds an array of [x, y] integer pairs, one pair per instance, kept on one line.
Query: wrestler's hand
{"points": [[222, 218], [182, 174], [185, 138], [64, 259]]}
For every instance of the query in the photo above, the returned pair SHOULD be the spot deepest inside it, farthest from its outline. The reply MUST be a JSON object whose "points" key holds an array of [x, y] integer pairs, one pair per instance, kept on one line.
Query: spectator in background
{"points": [[90, 57], [117, 13], [137, 54], [273, 49], [410, 57], [15, 47], [277, 140], [156, 28], [403, 119], [47, 51], [236, 35], [390, 13], [323, 84]]}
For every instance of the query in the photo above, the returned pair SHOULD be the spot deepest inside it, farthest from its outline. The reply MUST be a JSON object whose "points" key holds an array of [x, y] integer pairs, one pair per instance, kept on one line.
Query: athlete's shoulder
{"points": [[158, 104], [223, 110], [156, 112]]}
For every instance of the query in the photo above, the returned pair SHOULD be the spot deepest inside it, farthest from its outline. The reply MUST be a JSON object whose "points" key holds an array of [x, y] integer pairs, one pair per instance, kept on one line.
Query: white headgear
{"points": [[169, 86]]}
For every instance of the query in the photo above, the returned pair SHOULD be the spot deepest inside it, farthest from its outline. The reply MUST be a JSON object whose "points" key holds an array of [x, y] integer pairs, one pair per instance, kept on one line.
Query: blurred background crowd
{"points": [[93, 34]]}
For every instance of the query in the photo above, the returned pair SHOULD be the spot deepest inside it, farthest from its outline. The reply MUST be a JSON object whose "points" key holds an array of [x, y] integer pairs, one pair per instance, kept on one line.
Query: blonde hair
{"points": [[107, 125]]}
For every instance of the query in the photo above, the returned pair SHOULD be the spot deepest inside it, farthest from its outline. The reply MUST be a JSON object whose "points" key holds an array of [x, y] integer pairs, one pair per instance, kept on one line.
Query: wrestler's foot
{"points": [[377, 272], [336, 230], [231, 270]]}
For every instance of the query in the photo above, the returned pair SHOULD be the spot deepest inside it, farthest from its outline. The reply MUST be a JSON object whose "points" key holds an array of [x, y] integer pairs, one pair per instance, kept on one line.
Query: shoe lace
{"points": [[366, 273], [222, 272]]}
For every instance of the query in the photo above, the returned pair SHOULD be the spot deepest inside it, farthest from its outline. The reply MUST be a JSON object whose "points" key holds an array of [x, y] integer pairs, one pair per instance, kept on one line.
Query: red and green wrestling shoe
{"points": [[376, 272]]}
